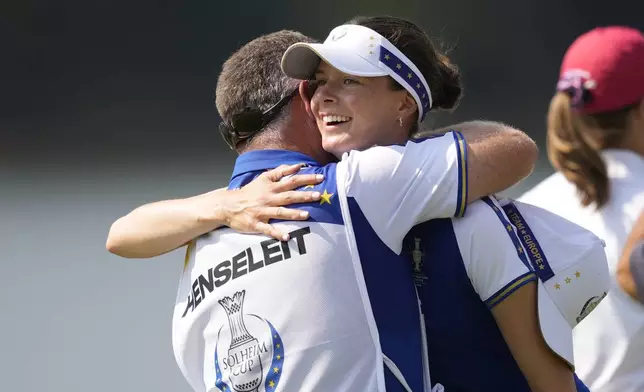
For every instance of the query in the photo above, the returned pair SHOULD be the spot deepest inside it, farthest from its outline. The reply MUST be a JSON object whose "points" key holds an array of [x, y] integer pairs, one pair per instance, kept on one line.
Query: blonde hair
{"points": [[575, 141]]}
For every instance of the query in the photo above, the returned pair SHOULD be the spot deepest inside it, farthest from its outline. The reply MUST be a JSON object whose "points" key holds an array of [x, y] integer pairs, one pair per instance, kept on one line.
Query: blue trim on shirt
{"points": [[529, 241], [394, 304], [509, 288], [581, 387], [260, 160], [461, 154], [509, 230]]}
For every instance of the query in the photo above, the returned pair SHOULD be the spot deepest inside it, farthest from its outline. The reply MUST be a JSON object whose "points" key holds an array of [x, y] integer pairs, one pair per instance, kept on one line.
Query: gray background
{"points": [[108, 105]]}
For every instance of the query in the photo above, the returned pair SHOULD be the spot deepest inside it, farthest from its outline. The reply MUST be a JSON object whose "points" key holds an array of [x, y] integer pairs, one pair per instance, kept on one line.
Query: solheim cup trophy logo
{"points": [[417, 256], [253, 345]]}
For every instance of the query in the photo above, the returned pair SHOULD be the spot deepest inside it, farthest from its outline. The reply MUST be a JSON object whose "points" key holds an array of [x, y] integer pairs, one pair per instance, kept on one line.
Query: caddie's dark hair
{"points": [[251, 79]]}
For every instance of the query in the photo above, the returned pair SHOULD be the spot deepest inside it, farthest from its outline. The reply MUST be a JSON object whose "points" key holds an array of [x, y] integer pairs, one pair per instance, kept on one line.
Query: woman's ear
{"points": [[408, 106]]}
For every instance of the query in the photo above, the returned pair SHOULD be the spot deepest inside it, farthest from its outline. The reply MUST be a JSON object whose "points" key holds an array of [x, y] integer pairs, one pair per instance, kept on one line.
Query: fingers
{"points": [[298, 180], [269, 230], [293, 197], [282, 213], [279, 172]]}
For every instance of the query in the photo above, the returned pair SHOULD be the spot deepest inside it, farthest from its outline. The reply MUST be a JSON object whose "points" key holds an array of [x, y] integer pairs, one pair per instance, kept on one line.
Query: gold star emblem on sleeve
{"points": [[276, 369], [417, 85], [409, 75], [386, 57], [398, 66], [326, 197], [508, 227], [568, 280], [577, 274], [541, 266], [557, 286], [519, 249], [271, 384], [423, 97]]}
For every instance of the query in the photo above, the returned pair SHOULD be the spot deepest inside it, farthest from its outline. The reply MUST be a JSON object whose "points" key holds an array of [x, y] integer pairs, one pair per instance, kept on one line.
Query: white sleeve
{"points": [[398, 187], [492, 254]]}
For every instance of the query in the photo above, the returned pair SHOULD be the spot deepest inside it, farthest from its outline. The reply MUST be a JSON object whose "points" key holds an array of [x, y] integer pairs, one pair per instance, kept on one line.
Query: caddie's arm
{"points": [[498, 156], [399, 186]]}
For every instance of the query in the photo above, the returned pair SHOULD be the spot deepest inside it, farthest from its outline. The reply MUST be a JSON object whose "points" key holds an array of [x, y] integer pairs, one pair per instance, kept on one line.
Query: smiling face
{"points": [[354, 113]]}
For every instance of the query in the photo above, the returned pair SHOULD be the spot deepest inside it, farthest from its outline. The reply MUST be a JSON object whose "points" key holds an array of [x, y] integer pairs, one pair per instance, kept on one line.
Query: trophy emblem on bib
{"points": [[246, 372], [417, 255]]}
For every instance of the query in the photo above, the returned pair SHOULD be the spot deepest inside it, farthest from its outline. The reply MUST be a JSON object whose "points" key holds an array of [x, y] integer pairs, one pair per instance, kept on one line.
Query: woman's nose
{"points": [[325, 93]]}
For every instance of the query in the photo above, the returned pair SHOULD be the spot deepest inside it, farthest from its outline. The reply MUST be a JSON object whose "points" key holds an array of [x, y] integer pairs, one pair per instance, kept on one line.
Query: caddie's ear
{"points": [[307, 89]]}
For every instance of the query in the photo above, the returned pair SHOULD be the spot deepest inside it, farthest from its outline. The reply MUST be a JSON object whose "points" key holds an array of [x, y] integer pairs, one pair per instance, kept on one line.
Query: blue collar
{"points": [[260, 160]]}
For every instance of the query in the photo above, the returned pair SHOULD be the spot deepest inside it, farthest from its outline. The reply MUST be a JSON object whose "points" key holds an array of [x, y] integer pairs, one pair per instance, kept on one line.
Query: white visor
{"points": [[359, 51], [571, 267]]}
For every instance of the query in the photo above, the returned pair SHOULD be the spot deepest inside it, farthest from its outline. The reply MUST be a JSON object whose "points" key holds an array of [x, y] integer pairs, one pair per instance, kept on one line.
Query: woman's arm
{"points": [[517, 319], [157, 228]]}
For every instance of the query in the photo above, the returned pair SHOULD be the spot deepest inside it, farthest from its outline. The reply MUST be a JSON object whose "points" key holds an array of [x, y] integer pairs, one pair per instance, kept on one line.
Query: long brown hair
{"points": [[574, 142]]}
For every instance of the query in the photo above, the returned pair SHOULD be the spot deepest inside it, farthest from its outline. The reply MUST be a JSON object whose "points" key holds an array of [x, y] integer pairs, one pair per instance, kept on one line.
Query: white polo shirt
{"points": [[312, 314], [465, 267], [609, 343]]}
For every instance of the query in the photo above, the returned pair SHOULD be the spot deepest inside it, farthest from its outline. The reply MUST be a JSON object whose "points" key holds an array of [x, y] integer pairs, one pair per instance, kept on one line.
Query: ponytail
{"points": [[574, 144]]}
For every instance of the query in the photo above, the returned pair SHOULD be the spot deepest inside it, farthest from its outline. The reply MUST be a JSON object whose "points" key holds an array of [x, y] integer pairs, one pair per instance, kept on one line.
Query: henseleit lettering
{"points": [[243, 263]]}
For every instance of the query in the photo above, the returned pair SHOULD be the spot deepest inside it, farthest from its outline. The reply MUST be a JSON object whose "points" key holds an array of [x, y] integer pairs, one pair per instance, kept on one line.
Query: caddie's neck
{"points": [[295, 131]]}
